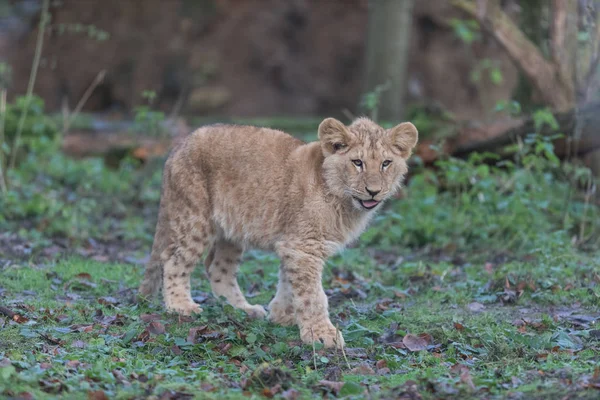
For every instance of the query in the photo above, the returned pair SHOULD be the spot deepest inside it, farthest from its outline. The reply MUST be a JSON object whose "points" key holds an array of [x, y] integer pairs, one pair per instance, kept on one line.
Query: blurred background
{"points": [[488, 83], [438, 63], [480, 279]]}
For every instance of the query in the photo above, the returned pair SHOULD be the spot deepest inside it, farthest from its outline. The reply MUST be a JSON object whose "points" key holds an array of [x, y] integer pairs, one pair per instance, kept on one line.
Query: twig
{"points": [[348, 114], [588, 195], [178, 105], [86, 95], [32, 77], [9, 313], [337, 333], [2, 120], [50, 339], [312, 334]]}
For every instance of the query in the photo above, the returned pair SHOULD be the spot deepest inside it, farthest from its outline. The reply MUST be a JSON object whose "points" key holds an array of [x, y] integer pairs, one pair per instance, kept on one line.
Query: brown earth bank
{"points": [[240, 57]]}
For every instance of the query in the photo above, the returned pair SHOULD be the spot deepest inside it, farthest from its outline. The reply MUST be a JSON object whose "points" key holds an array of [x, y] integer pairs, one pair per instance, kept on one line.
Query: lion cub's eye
{"points": [[386, 163], [358, 163], [338, 146]]}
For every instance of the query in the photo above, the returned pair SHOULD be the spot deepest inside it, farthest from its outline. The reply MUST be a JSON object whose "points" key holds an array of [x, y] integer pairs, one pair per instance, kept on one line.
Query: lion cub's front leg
{"points": [[303, 271]]}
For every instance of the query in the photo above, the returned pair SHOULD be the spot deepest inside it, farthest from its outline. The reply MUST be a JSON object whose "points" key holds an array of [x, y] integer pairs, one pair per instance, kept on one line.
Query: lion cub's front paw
{"points": [[326, 334], [256, 311], [185, 308]]}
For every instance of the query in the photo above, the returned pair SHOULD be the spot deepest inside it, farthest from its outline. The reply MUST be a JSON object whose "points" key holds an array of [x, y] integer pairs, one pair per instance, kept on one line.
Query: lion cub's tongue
{"points": [[370, 203]]}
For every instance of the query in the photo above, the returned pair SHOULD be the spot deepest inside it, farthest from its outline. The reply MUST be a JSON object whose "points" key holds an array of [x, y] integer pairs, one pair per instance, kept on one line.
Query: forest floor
{"points": [[469, 292]]}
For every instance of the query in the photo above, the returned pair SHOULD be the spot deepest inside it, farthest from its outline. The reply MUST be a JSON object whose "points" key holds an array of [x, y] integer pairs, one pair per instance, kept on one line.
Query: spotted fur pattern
{"points": [[227, 188]]}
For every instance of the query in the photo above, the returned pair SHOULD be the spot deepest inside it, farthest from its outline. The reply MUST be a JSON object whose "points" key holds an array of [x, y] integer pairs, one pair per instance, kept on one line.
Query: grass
{"points": [[480, 281], [488, 331]]}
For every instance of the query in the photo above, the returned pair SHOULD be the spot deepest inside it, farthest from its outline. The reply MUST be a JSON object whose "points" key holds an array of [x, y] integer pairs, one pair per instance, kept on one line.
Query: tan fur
{"points": [[226, 188]]}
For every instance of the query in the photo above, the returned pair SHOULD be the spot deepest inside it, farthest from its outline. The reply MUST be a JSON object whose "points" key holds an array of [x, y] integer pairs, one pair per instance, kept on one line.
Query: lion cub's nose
{"points": [[373, 192]]}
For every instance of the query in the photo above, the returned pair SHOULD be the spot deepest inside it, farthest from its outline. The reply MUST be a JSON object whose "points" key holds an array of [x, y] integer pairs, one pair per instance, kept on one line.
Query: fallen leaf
{"points": [[108, 301], [193, 333], [144, 336], [362, 369], [476, 307], [271, 392], [458, 326], [381, 364], [201, 298], [510, 296], [427, 337], [156, 328], [208, 387], [331, 386], [291, 394], [149, 317], [72, 364], [414, 342], [19, 319], [384, 304], [52, 385]]}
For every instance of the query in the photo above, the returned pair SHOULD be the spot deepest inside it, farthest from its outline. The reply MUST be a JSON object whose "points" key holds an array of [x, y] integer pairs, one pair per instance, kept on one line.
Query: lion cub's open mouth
{"points": [[368, 204]]}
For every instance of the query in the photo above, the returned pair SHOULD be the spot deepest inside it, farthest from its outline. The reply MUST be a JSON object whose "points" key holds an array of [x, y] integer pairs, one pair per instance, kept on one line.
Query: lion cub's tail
{"points": [[154, 268]]}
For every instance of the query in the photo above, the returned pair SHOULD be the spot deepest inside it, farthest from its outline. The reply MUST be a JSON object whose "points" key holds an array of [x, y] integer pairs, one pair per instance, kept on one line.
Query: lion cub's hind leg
{"points": [[191, 233], [222, 265], [180, 259]]}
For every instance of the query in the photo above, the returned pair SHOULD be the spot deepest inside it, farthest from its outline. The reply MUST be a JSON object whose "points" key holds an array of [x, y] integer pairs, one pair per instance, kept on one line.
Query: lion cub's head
{"points": [[365, 162]]}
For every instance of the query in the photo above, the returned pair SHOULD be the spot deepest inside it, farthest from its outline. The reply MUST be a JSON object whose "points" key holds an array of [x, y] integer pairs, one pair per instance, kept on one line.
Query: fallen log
{"points": [[115, 140], [580, 128]]}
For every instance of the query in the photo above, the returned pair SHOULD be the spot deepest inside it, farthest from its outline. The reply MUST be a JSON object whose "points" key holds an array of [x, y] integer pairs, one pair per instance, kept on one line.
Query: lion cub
{"points": [[227, 187]]}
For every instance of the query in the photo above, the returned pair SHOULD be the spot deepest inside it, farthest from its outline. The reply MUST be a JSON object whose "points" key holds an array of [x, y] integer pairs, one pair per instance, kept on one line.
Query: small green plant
{"points": [[148, 121], [466, 30], [370, 100], [45, 18], [92, 31], [490, 67], [512, 107]]}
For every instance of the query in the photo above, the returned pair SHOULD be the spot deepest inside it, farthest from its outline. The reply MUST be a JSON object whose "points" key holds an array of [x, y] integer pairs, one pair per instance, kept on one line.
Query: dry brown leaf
{"points": [[362, 369], [149, 317], [332, 386], [97, 395], [381, 364], [193, 333], [414, 342], [156, 328]]}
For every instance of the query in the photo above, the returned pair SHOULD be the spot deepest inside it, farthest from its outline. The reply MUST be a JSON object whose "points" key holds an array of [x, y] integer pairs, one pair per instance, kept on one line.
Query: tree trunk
{"points": [[388, 45], [552, 80]]}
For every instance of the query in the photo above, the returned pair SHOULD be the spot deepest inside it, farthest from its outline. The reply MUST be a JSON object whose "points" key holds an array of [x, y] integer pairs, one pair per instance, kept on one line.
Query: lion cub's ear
{"points": [[404, 138], [333, 136]]}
